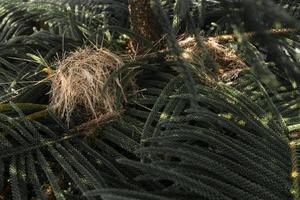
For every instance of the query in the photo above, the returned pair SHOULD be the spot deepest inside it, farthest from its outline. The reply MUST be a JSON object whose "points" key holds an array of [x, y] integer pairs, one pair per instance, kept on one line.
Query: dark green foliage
{"points": [[181, 136]]}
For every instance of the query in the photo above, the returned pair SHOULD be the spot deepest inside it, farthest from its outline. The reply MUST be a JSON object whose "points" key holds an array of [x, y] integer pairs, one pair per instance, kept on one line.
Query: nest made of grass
{"points": [[228, 61], [78, 83]]}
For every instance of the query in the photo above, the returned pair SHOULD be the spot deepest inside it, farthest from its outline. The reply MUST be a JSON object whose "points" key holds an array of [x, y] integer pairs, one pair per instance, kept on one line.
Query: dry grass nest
{"points": [[78, 83], [228, 61]]}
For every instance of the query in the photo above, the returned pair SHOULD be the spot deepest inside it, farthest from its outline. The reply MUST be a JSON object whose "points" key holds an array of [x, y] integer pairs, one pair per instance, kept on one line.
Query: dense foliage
{"points": [[183, 132]]}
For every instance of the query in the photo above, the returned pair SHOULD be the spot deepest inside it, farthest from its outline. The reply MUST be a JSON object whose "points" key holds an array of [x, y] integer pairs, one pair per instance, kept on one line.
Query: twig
{"points": [[37, 115], [233, 37], [222, 39], [99, 121]]}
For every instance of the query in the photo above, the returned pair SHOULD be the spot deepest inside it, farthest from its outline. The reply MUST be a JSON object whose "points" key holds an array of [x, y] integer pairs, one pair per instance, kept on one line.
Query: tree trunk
{"points": [[143, 22]]}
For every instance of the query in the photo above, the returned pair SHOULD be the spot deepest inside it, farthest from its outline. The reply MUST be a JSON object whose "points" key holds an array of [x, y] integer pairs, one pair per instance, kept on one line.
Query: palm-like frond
{"points": [[217, 150], [44, 163], [81, 21], [183, 136]]}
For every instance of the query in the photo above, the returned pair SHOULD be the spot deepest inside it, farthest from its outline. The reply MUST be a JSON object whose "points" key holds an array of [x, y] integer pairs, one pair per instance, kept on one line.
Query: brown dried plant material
{"points": [[78, 83], [226, 58], [212, 53]]}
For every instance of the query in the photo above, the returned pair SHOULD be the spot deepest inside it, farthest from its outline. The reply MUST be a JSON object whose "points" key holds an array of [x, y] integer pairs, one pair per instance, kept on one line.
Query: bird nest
{"points": [[78, 83], [229, 63]]}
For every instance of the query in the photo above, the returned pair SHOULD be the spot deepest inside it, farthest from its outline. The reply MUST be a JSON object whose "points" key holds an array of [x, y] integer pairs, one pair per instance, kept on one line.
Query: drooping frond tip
{"points": [[78, 83]]}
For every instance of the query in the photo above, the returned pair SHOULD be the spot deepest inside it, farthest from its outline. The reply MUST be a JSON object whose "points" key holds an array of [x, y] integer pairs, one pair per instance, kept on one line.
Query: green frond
{"points": [[184, 131]]}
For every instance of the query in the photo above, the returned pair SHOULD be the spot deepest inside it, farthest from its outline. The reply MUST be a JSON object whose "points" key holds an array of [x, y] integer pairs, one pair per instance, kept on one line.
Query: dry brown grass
{"points": [[79, 80], [226, 58]]}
